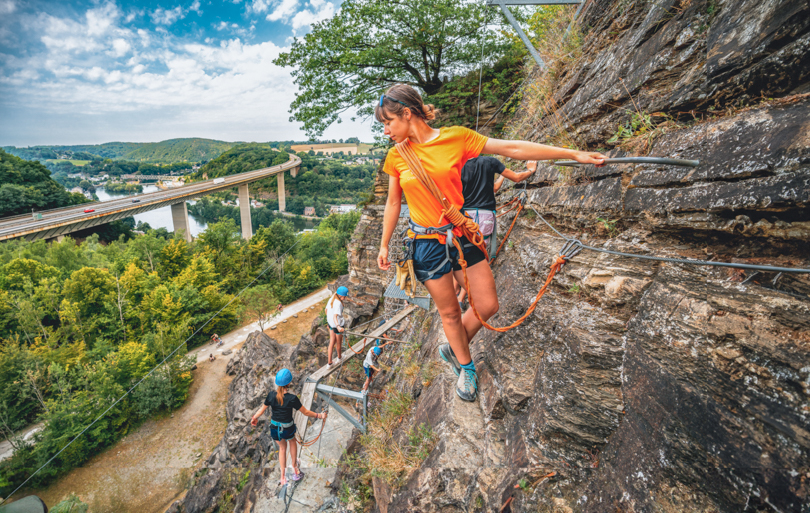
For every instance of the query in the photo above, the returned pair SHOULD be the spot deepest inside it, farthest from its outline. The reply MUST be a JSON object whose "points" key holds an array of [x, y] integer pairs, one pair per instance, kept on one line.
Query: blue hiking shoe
{"points": [[467, 384], [446, 352]]}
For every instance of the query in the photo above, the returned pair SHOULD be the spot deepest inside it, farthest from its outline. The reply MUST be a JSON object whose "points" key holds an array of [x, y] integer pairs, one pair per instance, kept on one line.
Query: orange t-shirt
{"points": [[442, 158]]}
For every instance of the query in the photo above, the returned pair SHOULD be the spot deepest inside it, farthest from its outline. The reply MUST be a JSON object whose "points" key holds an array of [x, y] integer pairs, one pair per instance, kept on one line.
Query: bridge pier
{"points": [[294, 172], [282, 199], [244, 211], [180, 219]]}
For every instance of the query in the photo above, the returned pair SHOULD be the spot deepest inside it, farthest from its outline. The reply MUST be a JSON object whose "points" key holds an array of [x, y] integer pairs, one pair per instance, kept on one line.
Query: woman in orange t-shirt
{"points": [[443, 152]]}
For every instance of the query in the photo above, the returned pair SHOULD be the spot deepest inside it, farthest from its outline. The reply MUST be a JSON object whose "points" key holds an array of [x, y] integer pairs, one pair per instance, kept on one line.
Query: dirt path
{"points": [[237, 336], [148, 468]]}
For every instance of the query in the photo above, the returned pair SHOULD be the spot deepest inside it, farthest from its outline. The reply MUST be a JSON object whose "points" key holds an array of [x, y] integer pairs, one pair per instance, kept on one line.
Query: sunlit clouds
{"points": [[115, 71]]}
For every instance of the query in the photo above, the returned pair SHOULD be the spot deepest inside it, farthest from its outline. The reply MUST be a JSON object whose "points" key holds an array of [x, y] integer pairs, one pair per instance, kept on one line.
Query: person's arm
{"points": [[499, 182], [392, 207], [525, 150], [312, 414], [258, 414]]}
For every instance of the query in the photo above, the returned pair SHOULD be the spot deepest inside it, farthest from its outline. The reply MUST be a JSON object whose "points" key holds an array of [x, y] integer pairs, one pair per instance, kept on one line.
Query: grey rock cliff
{"points": [[640, 385]]}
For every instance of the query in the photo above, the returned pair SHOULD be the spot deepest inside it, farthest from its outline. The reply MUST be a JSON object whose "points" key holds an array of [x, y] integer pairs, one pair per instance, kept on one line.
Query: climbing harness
{"points": [[470, 230]]}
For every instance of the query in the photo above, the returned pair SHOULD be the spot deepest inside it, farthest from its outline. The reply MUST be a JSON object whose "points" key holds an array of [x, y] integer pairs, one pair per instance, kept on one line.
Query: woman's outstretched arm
{"points": [[525, 150], [392, 207]]}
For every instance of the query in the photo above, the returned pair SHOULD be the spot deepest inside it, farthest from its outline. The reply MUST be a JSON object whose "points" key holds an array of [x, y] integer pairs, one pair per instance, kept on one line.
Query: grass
{"points": [[609, 226], [74, 162], [540, 111], [387, 456]]}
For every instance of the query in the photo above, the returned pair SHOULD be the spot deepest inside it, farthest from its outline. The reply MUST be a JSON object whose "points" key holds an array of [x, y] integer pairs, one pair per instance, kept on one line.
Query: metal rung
{"points": [[341, 392], [394, 292]]}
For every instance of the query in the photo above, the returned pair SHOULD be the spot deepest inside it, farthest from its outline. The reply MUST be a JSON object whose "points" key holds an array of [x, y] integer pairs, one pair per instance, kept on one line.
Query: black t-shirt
{"points": [[282, 413], [478, 180]]}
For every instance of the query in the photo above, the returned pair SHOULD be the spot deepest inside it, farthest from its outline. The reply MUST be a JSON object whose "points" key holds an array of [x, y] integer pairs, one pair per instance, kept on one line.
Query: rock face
{"points": [[642, 385]]}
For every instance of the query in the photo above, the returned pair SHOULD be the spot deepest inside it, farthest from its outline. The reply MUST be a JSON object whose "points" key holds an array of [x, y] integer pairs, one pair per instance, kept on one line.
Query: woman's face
{"points": [[397, 128]]}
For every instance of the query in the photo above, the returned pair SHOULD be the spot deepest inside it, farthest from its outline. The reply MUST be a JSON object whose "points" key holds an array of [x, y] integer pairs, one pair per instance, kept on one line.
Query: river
{"points": [[158, 218]]}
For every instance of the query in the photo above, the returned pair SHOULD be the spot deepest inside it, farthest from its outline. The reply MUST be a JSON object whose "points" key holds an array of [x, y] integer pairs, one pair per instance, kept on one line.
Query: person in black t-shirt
{"points": [[478, 187], [478, 183], [282, 426]]}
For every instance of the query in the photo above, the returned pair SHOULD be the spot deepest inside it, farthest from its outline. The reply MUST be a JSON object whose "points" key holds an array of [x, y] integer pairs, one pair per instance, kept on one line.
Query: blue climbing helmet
{"points": [[342, 291], [377, 350], [283, 378]]}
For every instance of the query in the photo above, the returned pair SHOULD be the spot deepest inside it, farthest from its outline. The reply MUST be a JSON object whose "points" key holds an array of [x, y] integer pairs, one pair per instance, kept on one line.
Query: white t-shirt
{"points": [[334, 307], [371, 359]]}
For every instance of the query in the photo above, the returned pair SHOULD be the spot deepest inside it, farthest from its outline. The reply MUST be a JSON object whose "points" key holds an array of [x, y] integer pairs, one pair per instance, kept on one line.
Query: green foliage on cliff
{"points": [[26, 185]]}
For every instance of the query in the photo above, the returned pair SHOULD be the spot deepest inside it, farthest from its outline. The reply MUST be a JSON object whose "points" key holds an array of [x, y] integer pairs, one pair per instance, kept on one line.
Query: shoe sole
{"points": [[452, 365], [465, 399]]}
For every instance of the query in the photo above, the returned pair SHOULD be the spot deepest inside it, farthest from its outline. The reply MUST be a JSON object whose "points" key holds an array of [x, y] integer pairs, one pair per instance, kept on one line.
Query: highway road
{"points": [[61, 221]]}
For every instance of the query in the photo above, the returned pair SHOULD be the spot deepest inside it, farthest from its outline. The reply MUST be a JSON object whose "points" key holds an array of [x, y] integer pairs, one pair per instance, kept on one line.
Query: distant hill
{"points": [[241, 158], [26, 185], [165, 152], [179, 150]]}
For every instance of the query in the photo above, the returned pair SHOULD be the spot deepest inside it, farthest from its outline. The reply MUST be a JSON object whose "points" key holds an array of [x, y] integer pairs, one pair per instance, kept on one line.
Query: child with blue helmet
{"points": [[282, 426], [335, 320], [370, 364]]}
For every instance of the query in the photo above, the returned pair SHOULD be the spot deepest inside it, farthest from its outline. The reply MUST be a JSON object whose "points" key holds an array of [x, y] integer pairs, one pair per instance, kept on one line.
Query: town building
{"points": [[341, 209]]}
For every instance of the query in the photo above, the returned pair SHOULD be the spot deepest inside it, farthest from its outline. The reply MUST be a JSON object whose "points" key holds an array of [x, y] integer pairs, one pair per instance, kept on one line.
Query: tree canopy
{"points": [[346, 62], [25, 185]]}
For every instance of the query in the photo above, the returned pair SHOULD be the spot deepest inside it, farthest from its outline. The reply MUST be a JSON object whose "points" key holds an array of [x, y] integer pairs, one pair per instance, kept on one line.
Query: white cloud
{"points": [[322, 10], [195, 6], [120, 47], [163, 16], [7, 6], [284, 10], [150, 82], [259, 6]]}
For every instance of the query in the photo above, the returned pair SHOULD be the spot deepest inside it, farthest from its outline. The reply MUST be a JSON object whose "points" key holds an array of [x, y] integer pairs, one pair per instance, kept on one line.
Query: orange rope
{"points": [[519, 210], [470, 230], [307, 444], [558, 263]]}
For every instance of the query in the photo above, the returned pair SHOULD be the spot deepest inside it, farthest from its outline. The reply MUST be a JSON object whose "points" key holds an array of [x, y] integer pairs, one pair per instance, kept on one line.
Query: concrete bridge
{"points": [[58, 222]]}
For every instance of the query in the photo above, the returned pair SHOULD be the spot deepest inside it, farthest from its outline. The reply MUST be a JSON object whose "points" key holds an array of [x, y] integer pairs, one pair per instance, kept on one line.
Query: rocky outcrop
{"points": [[643, 385]]}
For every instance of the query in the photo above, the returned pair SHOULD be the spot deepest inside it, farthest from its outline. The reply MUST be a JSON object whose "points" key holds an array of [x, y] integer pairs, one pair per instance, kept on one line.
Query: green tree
{"points": [[346, 62], [279, 236]]}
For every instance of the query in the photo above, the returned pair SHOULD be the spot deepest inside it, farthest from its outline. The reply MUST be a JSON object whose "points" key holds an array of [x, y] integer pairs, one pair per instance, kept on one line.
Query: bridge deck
{"points": [[70, 219]]}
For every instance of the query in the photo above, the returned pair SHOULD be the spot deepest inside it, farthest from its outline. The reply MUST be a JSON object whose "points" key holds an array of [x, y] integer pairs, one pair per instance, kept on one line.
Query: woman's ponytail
{"points": [[280, 391], [429, 112]]}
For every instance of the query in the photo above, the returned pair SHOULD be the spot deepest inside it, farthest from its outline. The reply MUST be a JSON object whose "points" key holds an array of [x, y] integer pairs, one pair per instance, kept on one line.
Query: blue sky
{"points": [[83, 72]]}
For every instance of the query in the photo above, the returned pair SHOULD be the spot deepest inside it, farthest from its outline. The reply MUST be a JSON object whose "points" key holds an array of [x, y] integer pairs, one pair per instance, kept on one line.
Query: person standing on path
{"points": [[282, 427], [335, 320], [442, 153]]}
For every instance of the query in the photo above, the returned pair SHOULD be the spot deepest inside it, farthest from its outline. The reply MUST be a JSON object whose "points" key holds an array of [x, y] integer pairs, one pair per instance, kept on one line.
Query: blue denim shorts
{"points": [[429, 253], [279, 433], [369, 371]]}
